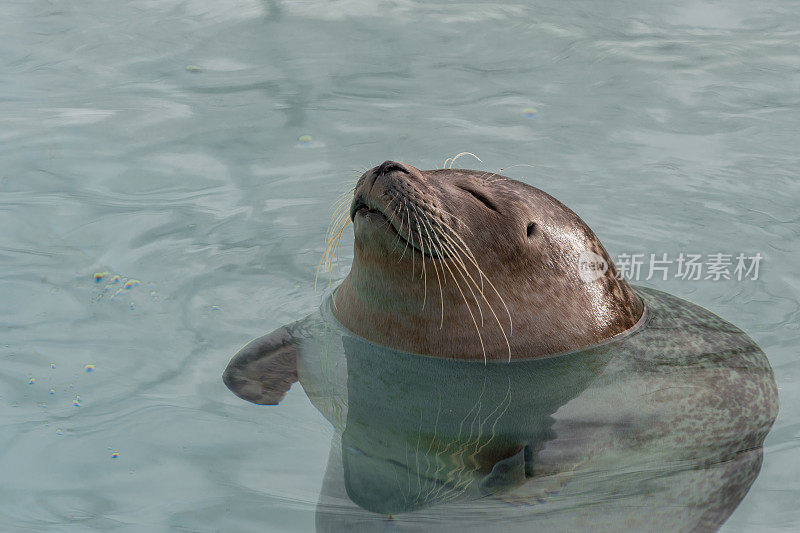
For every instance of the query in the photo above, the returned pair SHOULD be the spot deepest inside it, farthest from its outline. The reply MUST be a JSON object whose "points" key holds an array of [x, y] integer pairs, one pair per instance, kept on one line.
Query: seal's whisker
{"points": [[337, 213], [507, 397], [488, 176], [411, 240], [430, 447], [459, 263], [399, 230], [397, 482], [474, 456], [405, 206], [475, 322], [416, 453], [341, 210], [393, 216], [458, 490], [468, 441], [436, 244], [340, 223], [336, 223], [338, 204], [449, 228], [465, 249], [463, 296], [489, 281], [328, 242], [454, 455], [424, 272], [488, 304], [436, 491], [339, 240], [329, 262], [347, 193], [330, 249], [456, 252], [519, 165], [453, 160], [462, 269], [443, 211], [438, 255], [405, 449]]}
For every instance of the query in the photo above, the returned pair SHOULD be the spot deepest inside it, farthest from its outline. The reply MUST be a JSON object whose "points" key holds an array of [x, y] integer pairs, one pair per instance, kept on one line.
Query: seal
{"points": [[482, 364]]}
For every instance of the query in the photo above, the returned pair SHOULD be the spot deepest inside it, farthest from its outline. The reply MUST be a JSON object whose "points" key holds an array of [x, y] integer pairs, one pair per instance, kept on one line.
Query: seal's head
{"points": [[470, 264]]}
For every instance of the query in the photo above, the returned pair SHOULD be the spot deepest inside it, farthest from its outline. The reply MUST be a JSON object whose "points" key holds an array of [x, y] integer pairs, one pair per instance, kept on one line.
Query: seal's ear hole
{"points": [[531, 229]]}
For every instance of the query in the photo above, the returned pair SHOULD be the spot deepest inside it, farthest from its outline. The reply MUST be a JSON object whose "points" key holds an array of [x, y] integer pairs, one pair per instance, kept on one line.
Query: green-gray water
{"points": [[195, 148]]}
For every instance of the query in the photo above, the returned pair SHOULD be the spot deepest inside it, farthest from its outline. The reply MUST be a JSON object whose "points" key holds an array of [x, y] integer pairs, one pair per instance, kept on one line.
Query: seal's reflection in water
{"points": [[660, 429], [422, 430]]}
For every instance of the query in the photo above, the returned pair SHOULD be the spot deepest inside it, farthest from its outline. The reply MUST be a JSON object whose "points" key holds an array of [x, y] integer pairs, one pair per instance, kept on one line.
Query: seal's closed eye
{"points": [[480, 197]]}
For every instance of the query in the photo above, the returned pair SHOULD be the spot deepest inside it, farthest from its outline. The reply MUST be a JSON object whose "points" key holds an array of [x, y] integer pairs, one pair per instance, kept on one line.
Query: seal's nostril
{"points": [[388, 166]]}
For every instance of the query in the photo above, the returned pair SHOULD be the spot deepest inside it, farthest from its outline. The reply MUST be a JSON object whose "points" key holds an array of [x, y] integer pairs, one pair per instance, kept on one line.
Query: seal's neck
{"points": [[381, 285], [403, 306], [397, 304]]}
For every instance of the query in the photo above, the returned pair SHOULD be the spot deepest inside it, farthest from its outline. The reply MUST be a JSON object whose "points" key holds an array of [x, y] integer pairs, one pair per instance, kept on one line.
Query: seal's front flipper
{"points": [[264, 370]]}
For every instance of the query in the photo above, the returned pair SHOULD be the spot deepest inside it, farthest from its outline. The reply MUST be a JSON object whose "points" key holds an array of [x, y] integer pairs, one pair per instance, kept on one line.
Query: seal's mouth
{"points": [[360, 207], [364, 208]]}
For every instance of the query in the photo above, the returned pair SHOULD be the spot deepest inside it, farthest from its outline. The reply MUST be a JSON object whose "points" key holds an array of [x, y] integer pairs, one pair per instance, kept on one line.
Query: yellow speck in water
{"points": [[52, 391], [115, 455], [31, 381], [194, 69], [77, 401], [530, 112], [131, 283], [52, 365], [89, 368], [305, 139], [98, 276]]}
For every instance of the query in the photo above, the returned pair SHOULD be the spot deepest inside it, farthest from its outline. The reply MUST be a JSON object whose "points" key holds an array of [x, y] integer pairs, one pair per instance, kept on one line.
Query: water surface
{"points": [[194, 149]]}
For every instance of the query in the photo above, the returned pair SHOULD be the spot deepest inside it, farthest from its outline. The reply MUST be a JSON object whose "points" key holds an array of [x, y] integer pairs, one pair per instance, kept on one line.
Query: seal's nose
{"points": [[388, 166], [385, 168]]}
